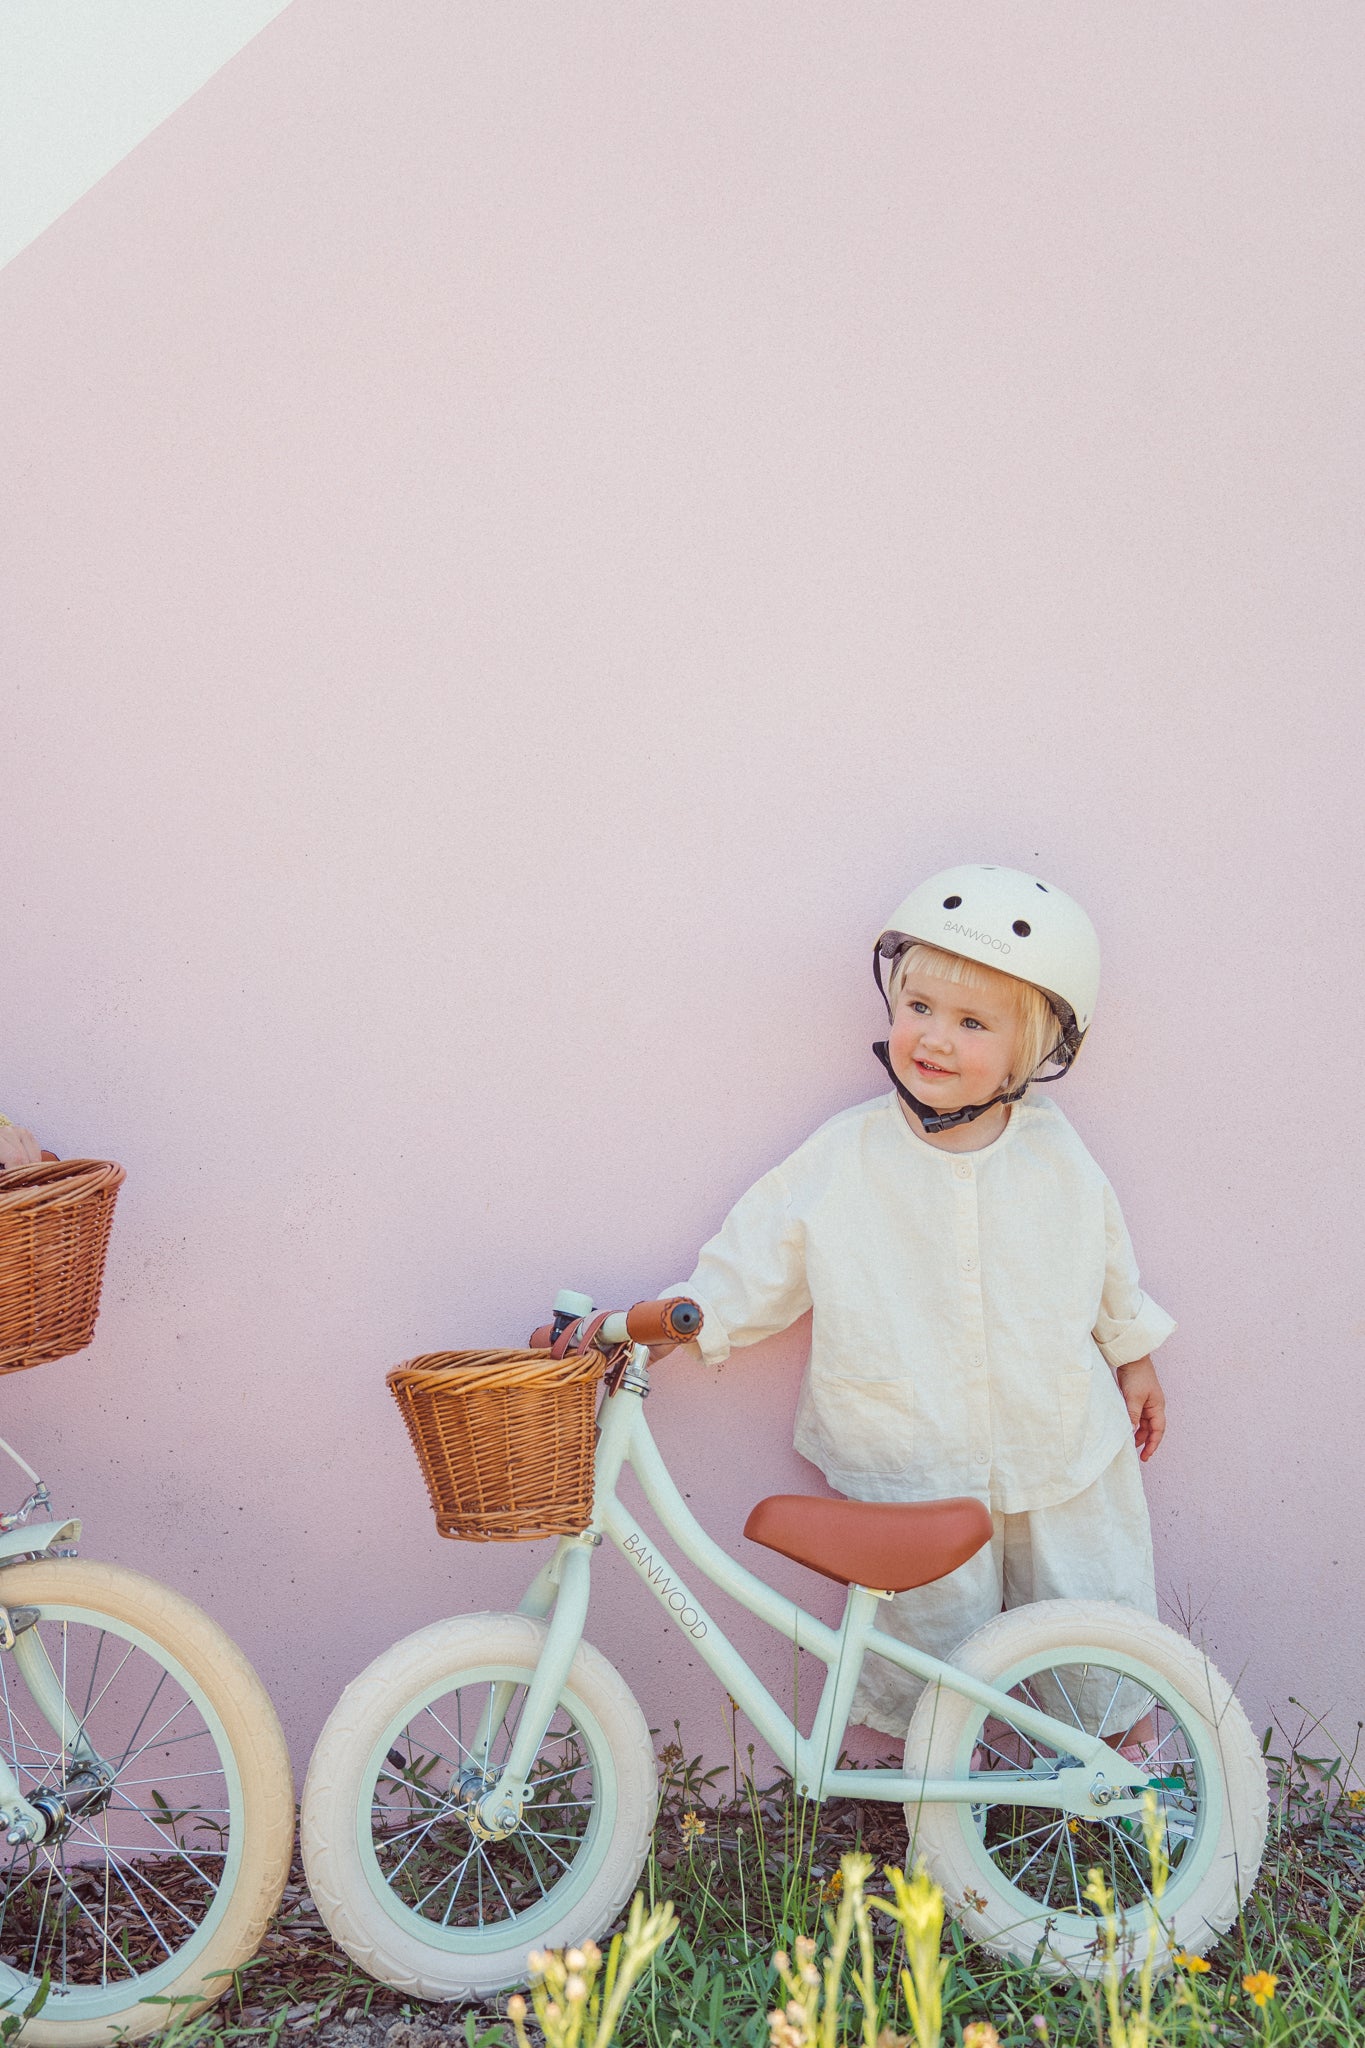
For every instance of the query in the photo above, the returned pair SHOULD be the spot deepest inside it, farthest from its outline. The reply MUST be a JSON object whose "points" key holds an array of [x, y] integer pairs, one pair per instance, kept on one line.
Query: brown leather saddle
{"points": [[889, 1546]]}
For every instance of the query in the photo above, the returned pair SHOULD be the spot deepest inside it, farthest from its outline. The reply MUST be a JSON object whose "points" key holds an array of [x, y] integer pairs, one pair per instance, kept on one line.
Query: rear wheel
{"points": [[408, 1885], [1015, 1875], [141, 1732]]}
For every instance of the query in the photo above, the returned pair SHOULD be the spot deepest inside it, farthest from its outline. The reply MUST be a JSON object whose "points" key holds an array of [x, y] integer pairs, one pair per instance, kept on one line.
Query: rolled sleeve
{"points": [[1121, 1343], [1130, 1323], [750, 1278]]}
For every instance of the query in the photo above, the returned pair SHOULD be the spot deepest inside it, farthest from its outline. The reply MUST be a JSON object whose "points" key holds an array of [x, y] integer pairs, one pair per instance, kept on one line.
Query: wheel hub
{"points": [[88, 1791], [472, 1790]]}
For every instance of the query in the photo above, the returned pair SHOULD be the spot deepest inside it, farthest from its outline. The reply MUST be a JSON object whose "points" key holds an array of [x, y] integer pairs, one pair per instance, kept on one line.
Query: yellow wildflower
{"points": [[834, 1887], [693, 1826], [1261, 1985], [1194, 1964], [1355, 1800]]}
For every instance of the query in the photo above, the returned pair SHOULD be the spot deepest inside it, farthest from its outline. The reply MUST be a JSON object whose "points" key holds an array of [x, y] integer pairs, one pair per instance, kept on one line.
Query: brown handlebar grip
{"points": [[663, 1322]]}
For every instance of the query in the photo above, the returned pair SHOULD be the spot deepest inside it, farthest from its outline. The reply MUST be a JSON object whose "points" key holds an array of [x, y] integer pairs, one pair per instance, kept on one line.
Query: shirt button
{"points": [[969, 1265], [980, 1458], [963, 1169]]}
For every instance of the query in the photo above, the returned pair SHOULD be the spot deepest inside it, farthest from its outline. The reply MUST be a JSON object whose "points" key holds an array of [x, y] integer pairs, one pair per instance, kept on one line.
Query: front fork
{"points": [[561, 1585], [49, 1813], [496, 1811]]}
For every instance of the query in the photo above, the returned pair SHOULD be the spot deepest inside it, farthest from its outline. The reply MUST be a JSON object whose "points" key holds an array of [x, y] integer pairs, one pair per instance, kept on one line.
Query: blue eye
{"points": [[972, 1024]]}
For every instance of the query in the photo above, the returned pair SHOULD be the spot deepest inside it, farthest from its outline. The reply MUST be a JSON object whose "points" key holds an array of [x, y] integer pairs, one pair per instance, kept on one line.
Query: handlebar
{"points": [[576, 1328], [654, 1322]]}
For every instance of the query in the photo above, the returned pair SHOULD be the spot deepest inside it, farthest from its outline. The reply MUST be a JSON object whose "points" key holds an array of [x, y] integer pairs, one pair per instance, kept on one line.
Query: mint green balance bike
{"points": [[146, 1799], [488, 1785]]}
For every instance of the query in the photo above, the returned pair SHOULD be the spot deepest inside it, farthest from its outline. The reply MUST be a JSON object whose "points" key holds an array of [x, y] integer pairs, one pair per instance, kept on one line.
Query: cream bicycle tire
{"points": [[372, 1786], [1227, 1813], [216, 1686]]}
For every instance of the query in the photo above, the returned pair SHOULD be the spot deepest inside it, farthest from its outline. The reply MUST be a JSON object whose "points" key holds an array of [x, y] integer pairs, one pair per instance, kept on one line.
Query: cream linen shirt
{"points": [[964, 1306]]}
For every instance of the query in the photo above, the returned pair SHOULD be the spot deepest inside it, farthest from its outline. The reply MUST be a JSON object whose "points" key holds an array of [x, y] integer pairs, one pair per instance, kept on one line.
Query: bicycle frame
{"points": [[1088, 1778]]}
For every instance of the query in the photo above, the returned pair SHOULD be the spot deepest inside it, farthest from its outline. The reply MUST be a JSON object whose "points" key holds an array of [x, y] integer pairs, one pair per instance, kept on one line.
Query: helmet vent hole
{"points": [[951, 902], [1022, 928]]}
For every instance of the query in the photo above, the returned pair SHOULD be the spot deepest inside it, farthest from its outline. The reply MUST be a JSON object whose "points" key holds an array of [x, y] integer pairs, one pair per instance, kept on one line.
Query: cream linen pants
{"points": [[1096, 1546]]}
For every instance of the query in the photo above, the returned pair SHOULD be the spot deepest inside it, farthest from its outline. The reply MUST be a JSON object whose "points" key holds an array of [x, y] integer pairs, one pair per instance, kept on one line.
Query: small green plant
{"points": [[811, 2016], [1128, 2029], [578, 2004], [12, 2023], [916, 1906], [769, 1872]]}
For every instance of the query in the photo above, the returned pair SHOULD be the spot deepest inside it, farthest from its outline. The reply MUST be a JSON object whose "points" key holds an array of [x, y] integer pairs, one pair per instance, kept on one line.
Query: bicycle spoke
{"points": [[1118, 1688], [1120, 1840], [415, 1846], [148, 1819], [1041, 1850], [128, 1875], [487, 1862], [42, 1917], [1042, 1856], [1056, 1680], [136, 1901], [421, 1838], [560, 1860], [1027, 1834], [521, 1838]]}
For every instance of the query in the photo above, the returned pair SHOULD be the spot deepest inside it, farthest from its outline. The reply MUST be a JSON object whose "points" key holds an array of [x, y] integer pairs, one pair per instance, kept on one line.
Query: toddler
{"points": [[977, 1323]]}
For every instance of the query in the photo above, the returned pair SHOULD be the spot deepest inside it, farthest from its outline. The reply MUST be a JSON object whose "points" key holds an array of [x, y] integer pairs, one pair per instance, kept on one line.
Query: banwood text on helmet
{"points": [[1008, 920]]}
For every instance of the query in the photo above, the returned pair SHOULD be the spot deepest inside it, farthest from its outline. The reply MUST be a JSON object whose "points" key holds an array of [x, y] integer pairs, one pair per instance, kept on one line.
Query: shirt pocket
{"points": [[867, 1424], [1073, 1410]]}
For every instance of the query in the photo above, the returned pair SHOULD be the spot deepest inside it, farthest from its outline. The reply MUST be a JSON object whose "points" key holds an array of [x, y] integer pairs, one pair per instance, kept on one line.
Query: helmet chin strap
{"points": [[931, 1118]]}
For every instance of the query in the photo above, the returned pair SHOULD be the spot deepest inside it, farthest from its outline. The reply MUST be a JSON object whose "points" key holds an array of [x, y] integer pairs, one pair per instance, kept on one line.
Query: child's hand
{"points": [[1141, 1389], [18, 1147]]}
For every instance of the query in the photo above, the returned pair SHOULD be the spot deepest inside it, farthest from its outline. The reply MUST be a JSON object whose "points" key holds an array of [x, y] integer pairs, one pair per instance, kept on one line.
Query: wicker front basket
{"points": [[54, 1233], [505, 1439]]}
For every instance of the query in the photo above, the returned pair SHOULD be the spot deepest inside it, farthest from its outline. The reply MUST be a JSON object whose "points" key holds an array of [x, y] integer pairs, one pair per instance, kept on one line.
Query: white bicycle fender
{"points": [[35, 1542]]}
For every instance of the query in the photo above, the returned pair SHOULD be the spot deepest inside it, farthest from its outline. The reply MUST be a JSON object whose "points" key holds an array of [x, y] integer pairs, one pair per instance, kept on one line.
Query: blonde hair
{"points": [[1038, 1025]]}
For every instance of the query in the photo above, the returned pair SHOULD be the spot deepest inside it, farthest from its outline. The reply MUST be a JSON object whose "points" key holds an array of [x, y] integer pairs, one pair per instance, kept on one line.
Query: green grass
{"points": [[751, 1872], [762, 1873]]}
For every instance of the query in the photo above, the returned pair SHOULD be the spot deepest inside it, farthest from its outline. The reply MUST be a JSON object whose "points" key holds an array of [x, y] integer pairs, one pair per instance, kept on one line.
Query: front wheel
{"points": [[1015, 1875], [405, 1881], [143, 1735]]}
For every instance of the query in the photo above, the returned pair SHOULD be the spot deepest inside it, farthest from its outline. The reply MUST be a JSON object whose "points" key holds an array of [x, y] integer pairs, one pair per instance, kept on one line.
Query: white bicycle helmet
{"points": [[1011, 921]]}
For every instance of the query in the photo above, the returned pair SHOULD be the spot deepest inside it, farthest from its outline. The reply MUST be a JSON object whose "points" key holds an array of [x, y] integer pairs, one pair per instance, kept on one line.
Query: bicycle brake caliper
{"points": [[13, 1622]]}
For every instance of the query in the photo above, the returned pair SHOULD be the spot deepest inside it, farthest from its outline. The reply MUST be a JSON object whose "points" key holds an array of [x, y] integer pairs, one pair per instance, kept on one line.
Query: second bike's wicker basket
{"points": [[505, 1439], [54, 1233]]}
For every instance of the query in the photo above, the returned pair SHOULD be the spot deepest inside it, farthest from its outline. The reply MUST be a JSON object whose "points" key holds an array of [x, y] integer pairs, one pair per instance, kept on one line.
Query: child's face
{"points": [[950, 1044]]}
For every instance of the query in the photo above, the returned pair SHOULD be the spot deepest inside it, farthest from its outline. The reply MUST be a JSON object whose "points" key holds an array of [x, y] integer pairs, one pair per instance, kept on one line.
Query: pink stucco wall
{"points": [[527, 529]]}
